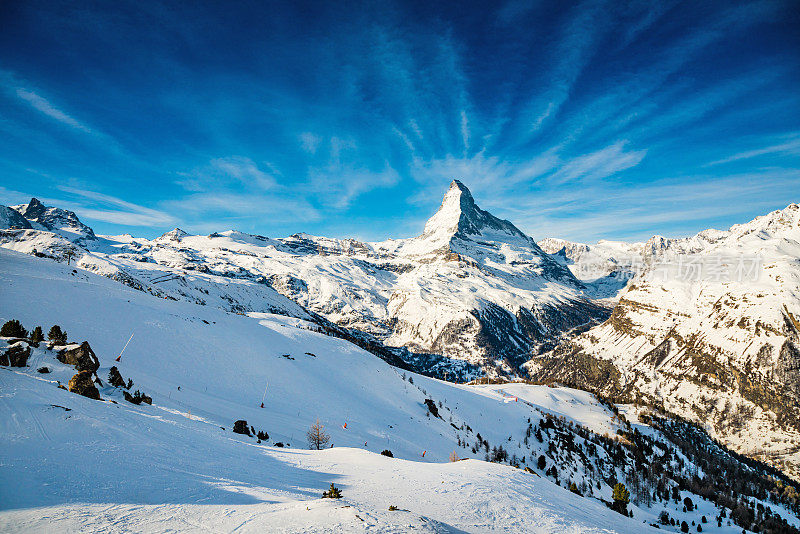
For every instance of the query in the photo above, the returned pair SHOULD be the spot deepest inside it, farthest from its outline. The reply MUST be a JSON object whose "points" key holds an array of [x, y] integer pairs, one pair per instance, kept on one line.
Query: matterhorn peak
{"points": [[460, 216], [173, 235], [33, 209]]}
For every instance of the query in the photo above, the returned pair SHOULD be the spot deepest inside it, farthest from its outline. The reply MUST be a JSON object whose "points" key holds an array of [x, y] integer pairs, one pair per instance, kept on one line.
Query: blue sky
{"points": [[582, 120]]}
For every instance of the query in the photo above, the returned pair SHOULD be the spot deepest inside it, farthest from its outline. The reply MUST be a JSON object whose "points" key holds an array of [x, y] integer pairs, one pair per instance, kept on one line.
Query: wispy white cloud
{"points": [[788, 148], [43, 105], [600, 164], [310, 142], [130, 215]]}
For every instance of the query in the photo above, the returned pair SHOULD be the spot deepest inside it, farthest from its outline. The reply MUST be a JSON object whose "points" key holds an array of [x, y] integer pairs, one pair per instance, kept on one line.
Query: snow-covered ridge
{"points": [[716, 338], [471, 287]]}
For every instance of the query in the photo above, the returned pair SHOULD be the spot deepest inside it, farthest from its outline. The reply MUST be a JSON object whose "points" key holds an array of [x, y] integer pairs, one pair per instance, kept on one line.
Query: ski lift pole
{"points": [[123, 348]]}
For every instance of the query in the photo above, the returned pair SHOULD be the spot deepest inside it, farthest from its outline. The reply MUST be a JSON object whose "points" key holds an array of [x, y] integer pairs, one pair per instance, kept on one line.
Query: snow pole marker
{"points": [[123, 348], [264, 396]]}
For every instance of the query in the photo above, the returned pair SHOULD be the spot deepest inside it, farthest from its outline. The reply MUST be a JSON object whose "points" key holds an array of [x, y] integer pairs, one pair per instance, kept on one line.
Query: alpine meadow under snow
{"points": [[435, 373]]}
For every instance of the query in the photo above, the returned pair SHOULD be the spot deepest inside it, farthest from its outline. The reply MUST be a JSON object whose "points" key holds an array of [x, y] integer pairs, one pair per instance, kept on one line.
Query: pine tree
{"points": [[317, 438], [13, 328], [37, 336], [621, 497], [333, 493], [56, 335]]}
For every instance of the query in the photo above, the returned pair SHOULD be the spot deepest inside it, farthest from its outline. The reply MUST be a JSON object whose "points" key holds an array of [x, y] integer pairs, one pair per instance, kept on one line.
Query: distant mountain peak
{"points": [[176, 234], [56, 220], [459, 216], [34, 209]]}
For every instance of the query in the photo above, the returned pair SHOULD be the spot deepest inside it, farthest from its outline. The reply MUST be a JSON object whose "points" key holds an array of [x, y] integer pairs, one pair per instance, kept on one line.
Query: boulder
{"points": [[240, 427], [82, 357], [83, 384], [16, 355]]}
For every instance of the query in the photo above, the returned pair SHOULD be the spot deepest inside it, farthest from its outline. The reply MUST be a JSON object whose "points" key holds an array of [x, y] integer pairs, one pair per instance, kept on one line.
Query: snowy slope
{"points": [[68, 463], [709, 330]]}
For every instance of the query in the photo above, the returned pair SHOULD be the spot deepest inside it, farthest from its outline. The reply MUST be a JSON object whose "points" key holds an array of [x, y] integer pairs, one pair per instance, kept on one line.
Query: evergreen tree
{"points": [[541, 463], [621, 497], [56, 335], [333, 493], [13, 328], [37, 336]]}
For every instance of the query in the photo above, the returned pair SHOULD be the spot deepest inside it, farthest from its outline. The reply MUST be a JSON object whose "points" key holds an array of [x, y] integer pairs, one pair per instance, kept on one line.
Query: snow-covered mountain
{"points": [[709, 329], [71, 463], [471, 288]]}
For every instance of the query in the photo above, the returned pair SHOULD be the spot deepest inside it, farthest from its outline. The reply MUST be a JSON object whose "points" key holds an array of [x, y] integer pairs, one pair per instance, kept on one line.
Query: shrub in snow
{"points": [[333, 493], [387, 452], [137, 398], [663, 517], [115, 378], [263, 436], [432, 407], [240, 427], [13, 328], [56, 335], [454, 457], [684, 526]]}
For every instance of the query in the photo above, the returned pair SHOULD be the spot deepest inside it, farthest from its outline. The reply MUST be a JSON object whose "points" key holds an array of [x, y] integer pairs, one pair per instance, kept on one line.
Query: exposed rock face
{"points": [[82, 357], [710, 333], [83, 384], [12, 219], [57, 220], [787, 368], [16, 355]]}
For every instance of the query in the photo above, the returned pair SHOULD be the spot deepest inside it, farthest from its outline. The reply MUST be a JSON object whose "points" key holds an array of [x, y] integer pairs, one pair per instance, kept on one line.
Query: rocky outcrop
{"points": [[83, 384], [81, 356], [16, 355]]}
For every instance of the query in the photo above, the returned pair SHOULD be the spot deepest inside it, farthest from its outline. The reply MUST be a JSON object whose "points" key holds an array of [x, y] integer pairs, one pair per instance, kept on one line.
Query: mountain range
{"points": [[473, 296]]}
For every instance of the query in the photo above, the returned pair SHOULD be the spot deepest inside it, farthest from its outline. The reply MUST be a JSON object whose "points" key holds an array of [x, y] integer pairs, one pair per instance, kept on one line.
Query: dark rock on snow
{"points": [[82, 357], [83, 384], [16, 355]]}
